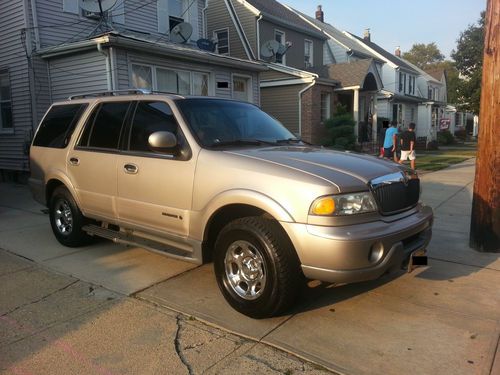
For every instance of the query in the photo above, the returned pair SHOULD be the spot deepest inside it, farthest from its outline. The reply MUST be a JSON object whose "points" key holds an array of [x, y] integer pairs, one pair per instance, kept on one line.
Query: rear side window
{"points": [[104, 126], [150, 117], [58, 125]]}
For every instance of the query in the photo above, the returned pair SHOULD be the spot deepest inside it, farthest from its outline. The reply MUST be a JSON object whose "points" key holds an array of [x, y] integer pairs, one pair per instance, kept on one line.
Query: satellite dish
{"points": [[181, 32], [94, 6], [269, 48], [206, 45]]}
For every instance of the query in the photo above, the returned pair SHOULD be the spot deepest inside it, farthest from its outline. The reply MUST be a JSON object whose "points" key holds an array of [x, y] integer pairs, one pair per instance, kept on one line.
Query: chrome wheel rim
{"points": [[63, 217], [245, 270]]}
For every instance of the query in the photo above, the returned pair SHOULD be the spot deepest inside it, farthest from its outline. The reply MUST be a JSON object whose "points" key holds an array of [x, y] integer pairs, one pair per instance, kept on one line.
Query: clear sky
{"points": [[401, 23]]}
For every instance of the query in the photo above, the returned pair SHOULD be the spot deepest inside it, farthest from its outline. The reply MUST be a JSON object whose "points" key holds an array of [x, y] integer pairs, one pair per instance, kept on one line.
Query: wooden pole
{"points": [[485, 219]]}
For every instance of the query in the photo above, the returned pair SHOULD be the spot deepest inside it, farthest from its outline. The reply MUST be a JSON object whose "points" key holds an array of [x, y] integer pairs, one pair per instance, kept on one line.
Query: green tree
{"points": [[423, 55], [341, 126], [469, 61]]}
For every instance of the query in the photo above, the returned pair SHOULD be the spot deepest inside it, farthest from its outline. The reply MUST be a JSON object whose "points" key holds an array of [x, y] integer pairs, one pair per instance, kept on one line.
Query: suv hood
{"points": [[346, 170]]}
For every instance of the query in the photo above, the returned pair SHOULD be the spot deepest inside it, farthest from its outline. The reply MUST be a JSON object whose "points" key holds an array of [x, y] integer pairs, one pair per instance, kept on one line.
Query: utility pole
{"points": [[485, 219]]}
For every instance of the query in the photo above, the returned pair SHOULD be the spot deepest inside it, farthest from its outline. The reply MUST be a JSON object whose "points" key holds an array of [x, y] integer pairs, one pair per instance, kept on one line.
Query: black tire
{"points": [[275, 263], [66, 219]]}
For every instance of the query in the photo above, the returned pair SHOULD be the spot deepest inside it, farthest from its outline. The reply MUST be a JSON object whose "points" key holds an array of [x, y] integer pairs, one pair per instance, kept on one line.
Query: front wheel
{"points": [[256, 267], [66, 219]]}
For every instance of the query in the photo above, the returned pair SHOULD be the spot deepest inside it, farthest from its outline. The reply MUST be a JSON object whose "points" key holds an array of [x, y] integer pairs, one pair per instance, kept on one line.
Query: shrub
{"points": [[341, 127], [432, 145], [445, 138], [461, 134]]}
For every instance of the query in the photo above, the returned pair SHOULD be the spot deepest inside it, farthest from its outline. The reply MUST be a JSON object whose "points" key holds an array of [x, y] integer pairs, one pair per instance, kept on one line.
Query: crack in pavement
{"points": [[265, 363], [177, 345], [40, 299]]}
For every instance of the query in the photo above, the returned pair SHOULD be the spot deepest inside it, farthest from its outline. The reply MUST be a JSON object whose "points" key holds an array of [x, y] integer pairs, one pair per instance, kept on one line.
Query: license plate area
{"points": [[417, 258]]}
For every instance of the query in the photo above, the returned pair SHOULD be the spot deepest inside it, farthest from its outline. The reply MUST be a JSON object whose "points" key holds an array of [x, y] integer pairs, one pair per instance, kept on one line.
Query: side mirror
{"points": [[163, 142]]}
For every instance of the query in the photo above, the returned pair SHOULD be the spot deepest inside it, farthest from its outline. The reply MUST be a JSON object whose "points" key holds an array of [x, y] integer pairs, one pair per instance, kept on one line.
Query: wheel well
{"points": [[51, 186], [223, 216]]}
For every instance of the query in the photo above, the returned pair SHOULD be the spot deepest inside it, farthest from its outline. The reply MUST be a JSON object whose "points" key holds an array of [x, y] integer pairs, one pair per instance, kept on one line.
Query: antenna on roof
{"points": [[181, 32], [272, 48], [98, 9]]}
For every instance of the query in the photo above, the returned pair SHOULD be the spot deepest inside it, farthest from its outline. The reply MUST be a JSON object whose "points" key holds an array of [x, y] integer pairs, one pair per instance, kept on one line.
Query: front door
{"points": [[154, 189]]}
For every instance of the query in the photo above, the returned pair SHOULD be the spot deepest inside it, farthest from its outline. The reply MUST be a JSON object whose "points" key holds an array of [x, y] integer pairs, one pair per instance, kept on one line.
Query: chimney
{"points": [[320, 16], [367, 35], [398, 51]]}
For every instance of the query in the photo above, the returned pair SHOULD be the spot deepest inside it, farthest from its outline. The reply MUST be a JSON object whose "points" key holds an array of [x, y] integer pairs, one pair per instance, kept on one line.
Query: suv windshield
{"points": [[218, 123]]}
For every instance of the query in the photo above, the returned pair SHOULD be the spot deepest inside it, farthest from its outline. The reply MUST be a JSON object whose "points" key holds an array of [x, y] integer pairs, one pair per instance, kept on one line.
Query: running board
{"points": [[127, 239]]}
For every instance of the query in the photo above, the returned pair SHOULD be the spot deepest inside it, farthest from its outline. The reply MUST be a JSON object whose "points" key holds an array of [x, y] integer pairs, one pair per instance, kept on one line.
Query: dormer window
{"points": [[308, 53], [175, 13], [222, 38], [279, 36]]}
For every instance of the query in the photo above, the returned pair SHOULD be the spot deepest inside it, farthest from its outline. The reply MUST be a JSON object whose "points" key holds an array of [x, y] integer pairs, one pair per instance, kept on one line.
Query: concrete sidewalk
{"points": [[440, 319]]}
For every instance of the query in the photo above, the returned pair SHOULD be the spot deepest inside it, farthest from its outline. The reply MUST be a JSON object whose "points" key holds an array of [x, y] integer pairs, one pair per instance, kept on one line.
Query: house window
{"points": [[400, 82], [200, 84], [5, 102], [241, 88], [279, 36], [325, 106], [175, 13], [397, 113], [308, 53], [429, 92], [173, 81], [410, 85], [404, 83], [222, 37], [412, 115], [170, 80], [142, 77]]}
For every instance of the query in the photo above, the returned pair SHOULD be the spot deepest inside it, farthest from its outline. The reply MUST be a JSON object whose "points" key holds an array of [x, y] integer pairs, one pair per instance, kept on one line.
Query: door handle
{"points": [[130, 168], [74, 161]]}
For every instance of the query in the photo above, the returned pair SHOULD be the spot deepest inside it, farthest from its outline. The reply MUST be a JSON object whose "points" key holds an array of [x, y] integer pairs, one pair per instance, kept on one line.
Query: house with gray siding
{"points": [[291, 90], [52, 49], [359, 72]]}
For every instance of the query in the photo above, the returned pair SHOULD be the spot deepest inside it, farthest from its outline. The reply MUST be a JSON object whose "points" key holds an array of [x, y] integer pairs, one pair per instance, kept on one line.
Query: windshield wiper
{"points": [[289, 141], [242, 142]]}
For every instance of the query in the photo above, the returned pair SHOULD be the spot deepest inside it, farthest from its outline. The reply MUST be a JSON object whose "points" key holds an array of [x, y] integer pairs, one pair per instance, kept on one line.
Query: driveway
{"points": [[439, 319]]}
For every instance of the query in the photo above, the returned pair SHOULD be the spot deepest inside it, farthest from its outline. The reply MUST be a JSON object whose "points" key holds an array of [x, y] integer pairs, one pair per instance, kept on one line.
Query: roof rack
{"points": [[111, 93]]}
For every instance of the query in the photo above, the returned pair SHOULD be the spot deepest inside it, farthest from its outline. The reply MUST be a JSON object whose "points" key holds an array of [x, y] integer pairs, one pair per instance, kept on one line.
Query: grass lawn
{"points": [[438, 159]]}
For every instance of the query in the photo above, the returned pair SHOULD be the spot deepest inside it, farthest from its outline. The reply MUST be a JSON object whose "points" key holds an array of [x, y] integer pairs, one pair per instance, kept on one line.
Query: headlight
{"points": [[343, 204]]}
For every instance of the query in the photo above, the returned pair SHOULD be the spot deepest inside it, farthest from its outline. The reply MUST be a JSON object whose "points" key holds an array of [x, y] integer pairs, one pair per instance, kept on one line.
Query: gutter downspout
{"points": [[31, 76], [300, 103], [204, 12], [112, 62], [258, 36], [108, 69], [34, 15]]}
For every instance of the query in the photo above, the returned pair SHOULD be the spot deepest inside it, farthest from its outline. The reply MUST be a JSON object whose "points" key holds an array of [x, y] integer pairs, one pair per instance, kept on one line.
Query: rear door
{"points": [[154, 189], [91, 165]]}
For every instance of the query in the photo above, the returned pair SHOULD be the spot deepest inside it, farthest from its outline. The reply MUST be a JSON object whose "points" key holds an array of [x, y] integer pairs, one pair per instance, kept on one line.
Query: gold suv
{"points": [[202, 178]]}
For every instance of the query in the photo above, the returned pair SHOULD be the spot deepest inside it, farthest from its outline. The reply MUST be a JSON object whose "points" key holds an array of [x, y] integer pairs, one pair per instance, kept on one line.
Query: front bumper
{"points": [[360, 252]]}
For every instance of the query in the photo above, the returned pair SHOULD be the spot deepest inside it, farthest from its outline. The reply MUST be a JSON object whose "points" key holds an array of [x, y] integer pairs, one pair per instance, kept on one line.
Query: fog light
{"points": [[376, 252]]}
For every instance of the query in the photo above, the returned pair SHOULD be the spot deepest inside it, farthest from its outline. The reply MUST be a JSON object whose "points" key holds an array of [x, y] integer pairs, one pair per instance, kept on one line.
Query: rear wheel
{"points": [[66, 219], [256, 267]]}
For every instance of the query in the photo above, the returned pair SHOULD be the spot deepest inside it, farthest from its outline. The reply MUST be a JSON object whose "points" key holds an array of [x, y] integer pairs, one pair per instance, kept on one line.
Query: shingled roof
{"points": [[389, 56], [436, 73], [349, 74], [279, 13], [339, 36]]}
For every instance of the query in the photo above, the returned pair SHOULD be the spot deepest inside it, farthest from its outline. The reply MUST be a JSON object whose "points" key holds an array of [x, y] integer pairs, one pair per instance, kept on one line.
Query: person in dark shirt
{"points": [[408, 141]]}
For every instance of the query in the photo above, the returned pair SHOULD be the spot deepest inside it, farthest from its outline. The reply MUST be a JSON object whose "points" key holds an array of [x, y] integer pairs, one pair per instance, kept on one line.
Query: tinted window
{"points": [[150, 117], [217, 121], [58, 125], [104, 131]]}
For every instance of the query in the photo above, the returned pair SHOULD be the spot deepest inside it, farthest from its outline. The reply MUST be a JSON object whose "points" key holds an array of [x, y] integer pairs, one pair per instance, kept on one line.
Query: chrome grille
{"points": [[395, 192]]}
